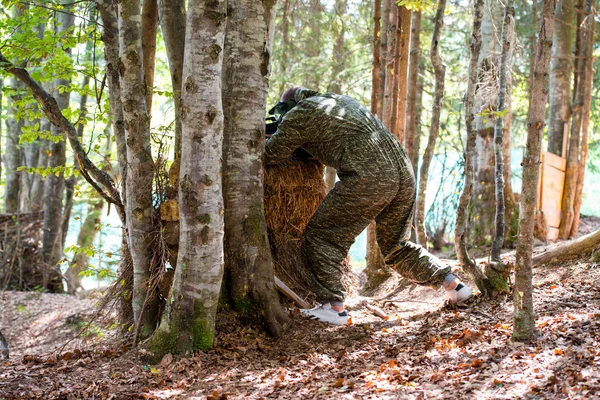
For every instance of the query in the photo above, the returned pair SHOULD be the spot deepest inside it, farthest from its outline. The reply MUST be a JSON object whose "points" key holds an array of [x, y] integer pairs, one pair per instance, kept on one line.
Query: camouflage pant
{"points": [[346, 211]]}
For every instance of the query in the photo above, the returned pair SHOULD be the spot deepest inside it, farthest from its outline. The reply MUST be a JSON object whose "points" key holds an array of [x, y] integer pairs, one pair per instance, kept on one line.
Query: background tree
{"points": [[524, 319]]}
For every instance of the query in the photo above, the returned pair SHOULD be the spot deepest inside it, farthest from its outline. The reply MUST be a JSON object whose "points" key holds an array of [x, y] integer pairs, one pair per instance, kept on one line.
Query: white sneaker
{"points": [[459, 294], [325, 313]]}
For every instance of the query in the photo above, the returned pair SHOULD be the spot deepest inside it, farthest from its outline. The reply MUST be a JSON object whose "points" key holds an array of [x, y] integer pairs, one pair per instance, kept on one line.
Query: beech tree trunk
{"points": [[401, 73], [54, 186], [285, 34], [188, 322], [248, 261], [524, 318], [140, 165], [12, 152], [438, 96], [561, 74], [572, 173], [505, 41], [172, 23]]}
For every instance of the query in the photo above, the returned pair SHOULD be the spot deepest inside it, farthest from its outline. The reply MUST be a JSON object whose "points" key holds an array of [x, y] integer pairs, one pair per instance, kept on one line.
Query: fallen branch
{"points": [[376, 310], [578, 247], [283, 288]]}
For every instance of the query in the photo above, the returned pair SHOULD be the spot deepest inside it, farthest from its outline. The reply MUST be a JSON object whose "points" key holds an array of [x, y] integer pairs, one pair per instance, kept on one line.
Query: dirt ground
{"points": [[424, 350]]}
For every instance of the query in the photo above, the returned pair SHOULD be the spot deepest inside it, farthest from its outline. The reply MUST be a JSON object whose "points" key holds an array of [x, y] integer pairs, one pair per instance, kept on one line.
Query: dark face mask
{"points": [[277, 113]]}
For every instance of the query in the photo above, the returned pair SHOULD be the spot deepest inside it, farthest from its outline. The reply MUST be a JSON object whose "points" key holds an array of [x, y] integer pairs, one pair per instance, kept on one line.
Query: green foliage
{"points": [[418, 5]]}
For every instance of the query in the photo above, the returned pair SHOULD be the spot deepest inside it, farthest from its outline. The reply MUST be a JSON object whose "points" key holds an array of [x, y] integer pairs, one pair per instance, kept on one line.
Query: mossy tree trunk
{"points": [[188, 322], [248, 261], [524, 318]]}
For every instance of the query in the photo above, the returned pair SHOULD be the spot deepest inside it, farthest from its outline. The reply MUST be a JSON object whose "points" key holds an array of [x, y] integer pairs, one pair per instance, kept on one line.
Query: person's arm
{"points": [[292, 133]]}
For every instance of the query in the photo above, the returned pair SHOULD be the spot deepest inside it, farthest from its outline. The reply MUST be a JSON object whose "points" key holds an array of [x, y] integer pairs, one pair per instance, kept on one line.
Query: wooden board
{"points": [[550, 190]]}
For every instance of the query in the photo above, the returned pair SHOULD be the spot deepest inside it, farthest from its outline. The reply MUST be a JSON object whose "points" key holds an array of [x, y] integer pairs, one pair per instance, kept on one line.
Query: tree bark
{"points": [[572, 173], [383, 56], [12, 152], [140, 165], [172, 22], [561, 73], [505, 41], [54, 187], [440, 72], [149, 30], [285, 34], [188, 322], [248, 261], [413, 75], [388, 66], [573, 249], [524, 318], [460, 232], [400, 73], [589, 81]]}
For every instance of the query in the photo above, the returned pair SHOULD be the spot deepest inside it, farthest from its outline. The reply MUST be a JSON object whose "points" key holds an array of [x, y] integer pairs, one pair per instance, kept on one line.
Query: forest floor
{"points": [[426, 349]]}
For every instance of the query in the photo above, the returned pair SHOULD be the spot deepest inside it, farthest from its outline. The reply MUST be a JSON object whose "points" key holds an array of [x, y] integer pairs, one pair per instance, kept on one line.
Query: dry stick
{"points": [[589, 81], [498, 241], [578, 247], [460, 234], [375, 310], [434, 129], [524, 319]]}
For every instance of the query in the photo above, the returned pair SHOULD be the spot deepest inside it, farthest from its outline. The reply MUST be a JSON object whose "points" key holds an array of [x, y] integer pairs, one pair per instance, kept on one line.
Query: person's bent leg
{"points": [[411, 260], [344, 213]]}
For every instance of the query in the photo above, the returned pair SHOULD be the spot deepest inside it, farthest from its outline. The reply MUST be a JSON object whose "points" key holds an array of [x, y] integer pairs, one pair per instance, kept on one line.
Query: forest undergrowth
{"points": [[426, 349]]}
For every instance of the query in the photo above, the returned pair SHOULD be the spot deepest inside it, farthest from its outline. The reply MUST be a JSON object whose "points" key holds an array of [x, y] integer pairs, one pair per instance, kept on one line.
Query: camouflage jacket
{"points": [[341, 133]]}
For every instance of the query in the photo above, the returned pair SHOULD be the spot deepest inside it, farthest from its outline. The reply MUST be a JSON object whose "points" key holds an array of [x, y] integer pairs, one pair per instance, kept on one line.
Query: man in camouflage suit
{"points": [[376, 181]]}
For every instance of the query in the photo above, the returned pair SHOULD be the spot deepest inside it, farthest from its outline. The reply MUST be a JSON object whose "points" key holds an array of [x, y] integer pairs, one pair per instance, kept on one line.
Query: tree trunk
{"points": [[561, 73], [400, 73], [413, 75], [149, 30], [572, 173], [172, 23], [440, 72], [86, 237], [505, 41], [12, 152], [188, 322], [524, 319], [380, 27], [388, 65], [285, 34], [460, 235], [248, 259], [140, 165], [54, 187], [110, 37], [589, 81], [486, 101]]}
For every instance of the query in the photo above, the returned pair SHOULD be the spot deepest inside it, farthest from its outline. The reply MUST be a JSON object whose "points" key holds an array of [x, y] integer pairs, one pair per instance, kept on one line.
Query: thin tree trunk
{"points": [[188, 322], [498, 241], [589, 81], [388, 66], [561, 72], [172, 22], [460, 235], [524, 318], [285, 34], [383, 56], [12, 152], [572, 173], [85, 238], [374, 259], [401, 61], [413, 75], [440, 72], [54, 187], [248, 259], [149, 30], [140, 165], [110, 37]]}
